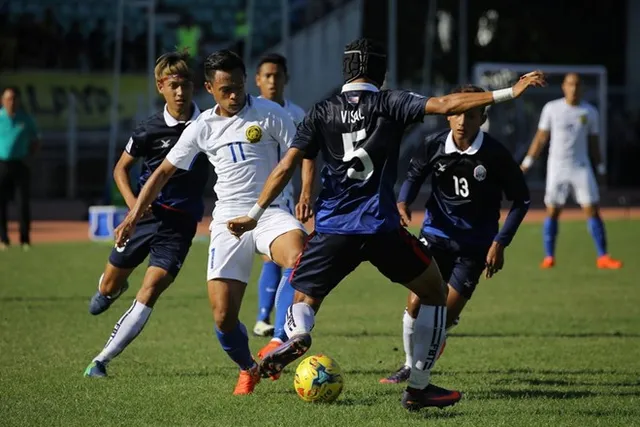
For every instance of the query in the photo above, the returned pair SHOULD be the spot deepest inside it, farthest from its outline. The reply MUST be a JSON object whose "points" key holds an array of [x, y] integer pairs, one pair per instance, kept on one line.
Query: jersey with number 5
{"points": [[358, 133]]}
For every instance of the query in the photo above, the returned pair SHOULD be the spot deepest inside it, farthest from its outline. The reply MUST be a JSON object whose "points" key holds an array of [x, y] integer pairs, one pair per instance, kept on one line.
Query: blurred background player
{"points": [[19, 141], [169, 225], [359, 133], [572, 128], [271, 78], [240, 136], [470, 171]]}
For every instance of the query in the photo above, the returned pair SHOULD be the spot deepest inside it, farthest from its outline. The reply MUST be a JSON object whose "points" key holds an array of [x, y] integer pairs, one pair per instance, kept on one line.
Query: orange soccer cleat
{"points": [[605, 262], [548, 262], [272, 345], [247, 381]]}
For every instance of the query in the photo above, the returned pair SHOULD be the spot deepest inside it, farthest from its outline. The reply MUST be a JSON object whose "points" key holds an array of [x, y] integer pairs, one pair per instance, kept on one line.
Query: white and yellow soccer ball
{"points": [[318, 379]]}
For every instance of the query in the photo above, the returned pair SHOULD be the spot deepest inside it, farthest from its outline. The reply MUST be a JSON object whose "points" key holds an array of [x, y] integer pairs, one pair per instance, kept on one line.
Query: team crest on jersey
{"points": [[583, 119], [480, 173], [253, 133]]}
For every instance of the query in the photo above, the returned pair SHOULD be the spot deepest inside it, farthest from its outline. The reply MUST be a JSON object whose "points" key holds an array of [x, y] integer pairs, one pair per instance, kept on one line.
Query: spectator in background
{"points": [[96, 46], [18, 142], [189, 36]]}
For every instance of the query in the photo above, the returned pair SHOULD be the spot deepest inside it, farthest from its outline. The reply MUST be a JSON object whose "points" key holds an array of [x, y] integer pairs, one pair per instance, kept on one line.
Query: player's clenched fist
{"points": [[239, 226], [532, 79]]}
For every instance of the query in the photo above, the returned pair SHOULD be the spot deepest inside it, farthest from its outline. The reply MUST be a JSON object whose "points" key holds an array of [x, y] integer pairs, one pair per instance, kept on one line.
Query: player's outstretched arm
{"points": [[458, 103], [148, 194], [540, 139], [276, 182]]}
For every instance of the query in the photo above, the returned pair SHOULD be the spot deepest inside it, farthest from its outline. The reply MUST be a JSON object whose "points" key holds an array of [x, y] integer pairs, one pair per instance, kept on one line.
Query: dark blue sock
{"points": [[284, 298], [267, 287], [550, 232], [236, 344], [596, 228]]}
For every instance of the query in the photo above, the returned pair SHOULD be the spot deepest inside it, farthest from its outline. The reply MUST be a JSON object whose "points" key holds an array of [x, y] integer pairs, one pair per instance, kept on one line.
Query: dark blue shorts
{"points": [[460, 266], [328, 258], [166, 237]]}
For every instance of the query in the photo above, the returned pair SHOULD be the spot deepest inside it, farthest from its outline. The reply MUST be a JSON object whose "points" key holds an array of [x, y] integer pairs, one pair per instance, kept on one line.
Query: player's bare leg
{"points": [[225, 297], [156, 281], [112, 283], [428, 338], [598, 232], [285, 250], [550, 231]]}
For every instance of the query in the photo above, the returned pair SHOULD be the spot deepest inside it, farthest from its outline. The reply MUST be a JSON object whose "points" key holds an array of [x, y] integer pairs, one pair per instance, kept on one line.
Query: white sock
{"points": [[407, 338], [125, 331], [300, 319], [429, 334]]}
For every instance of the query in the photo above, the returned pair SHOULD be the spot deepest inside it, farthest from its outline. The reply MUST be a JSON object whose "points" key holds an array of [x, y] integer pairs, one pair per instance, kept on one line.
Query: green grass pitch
{"points": [[534, 348]]}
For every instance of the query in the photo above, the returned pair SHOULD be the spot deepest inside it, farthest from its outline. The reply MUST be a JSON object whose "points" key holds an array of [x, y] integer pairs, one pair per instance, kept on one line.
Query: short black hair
{"points": [[364, 58], [223, 60], [273, 58]]}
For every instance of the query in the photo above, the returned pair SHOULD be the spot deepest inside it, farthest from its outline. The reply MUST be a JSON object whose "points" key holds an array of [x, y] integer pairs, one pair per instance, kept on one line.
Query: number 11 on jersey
{"points": [[350, 152]]}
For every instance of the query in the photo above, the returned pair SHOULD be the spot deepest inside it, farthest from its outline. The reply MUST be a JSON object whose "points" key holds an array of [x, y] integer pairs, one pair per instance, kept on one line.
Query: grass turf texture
{"points": [[534, 347]]}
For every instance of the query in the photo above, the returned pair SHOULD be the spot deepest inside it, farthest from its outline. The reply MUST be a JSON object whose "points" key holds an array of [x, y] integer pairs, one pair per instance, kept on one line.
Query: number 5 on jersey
{"points": [[349, 140], [461, 186]]}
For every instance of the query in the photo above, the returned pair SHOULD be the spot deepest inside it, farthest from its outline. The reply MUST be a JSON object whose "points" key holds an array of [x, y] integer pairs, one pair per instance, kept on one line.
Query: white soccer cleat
{"points": [[263, 329]]}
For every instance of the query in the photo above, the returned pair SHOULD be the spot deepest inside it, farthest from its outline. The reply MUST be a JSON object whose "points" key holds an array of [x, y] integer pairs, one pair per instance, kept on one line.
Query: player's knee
{"points": [[591, 211], [225, 321], [413, 305], [151, 290], [553, 212]]}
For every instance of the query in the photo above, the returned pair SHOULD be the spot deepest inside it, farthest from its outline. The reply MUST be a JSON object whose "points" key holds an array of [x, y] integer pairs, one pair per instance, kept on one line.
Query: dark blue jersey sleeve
{"points": [[515, 189], [403, 106], [306, 138], [419, 170], [137, 145]]}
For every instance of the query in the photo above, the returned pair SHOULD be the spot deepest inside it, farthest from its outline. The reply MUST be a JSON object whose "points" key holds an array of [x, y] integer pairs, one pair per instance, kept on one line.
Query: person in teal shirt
{"points": [[18, 142]]}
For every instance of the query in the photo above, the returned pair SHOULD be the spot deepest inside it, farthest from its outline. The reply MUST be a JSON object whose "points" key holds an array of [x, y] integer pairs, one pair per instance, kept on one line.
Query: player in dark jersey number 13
{"points": [[359, 133], [470, 172]]}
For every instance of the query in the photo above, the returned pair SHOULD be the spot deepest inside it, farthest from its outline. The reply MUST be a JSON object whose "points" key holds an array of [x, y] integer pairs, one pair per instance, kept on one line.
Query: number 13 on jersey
{"points": [[349, 140]]}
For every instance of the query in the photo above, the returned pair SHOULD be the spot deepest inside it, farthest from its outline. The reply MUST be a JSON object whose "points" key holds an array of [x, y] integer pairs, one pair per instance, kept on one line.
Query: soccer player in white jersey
{"points": [[271, 79], [241, 136], [570, 125]]}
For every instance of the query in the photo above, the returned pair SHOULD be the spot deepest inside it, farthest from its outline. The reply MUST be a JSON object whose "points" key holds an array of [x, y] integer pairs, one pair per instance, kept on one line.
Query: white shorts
{"points": [[578, 180], [231, 258]]}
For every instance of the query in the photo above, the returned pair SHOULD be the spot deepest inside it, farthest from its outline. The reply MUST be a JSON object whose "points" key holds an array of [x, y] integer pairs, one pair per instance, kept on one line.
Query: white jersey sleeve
{"points": [[281, 127], [187, 148], [593, 121], [545, 118]]}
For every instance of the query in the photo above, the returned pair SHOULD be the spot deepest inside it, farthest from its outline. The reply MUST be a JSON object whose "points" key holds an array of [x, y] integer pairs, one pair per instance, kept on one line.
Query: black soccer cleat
{"points": [[431, 396], [399, 376], [274, 362]]}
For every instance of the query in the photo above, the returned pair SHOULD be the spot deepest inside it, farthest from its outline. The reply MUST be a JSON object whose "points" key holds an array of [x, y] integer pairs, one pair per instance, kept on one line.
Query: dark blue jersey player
{"points": [[359, 133], [170, 223], [470, 172]]}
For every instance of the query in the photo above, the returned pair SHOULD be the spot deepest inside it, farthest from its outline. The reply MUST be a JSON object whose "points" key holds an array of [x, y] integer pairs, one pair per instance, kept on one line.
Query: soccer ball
{"points": [[318, 379]]}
